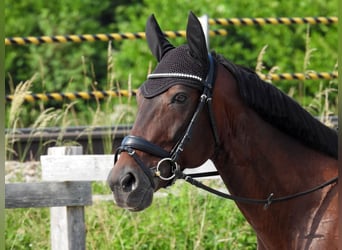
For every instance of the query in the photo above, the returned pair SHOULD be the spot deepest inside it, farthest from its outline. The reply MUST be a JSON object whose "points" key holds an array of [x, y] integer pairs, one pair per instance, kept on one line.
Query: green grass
{"points": [[185, 218]]}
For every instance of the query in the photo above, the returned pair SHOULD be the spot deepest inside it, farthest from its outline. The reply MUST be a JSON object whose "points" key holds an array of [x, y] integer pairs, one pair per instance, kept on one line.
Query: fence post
{"points": [[68, 230], [204, 20]]}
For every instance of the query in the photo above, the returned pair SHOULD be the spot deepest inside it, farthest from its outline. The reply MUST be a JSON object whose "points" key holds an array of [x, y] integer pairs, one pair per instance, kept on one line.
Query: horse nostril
{"points": [[128, 182]]}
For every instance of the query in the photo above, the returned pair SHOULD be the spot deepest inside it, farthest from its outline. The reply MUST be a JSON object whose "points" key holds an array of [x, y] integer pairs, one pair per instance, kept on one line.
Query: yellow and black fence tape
{"points": [[72, 96], [170, 34], [102, 94], [300, 76], [98, 37], [273, 20]]}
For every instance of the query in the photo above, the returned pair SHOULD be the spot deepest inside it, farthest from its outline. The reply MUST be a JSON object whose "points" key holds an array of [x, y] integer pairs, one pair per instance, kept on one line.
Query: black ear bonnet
{"points": [[179, 61], [187, 64]]}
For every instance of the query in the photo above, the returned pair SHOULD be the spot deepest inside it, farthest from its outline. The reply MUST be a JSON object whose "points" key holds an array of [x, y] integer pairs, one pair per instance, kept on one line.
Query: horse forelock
{"points": [[281, 111]]}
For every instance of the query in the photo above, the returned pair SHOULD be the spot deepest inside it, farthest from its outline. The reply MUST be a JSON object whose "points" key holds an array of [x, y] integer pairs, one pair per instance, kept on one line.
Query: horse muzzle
{"points": [[131, 189], [132, 181]]}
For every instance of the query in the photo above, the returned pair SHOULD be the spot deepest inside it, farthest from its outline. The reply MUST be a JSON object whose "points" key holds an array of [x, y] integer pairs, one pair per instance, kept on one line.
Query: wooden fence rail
{"points": [[66, 189], [66, 199], [48, 194]]}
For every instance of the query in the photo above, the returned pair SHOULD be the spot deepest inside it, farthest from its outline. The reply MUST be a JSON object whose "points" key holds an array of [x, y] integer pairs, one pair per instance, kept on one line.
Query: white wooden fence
{"points": [[66, 189]]}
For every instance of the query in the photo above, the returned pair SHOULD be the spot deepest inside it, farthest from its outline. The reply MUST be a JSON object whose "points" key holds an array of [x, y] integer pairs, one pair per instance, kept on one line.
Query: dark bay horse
{"points": [[277, 161]]}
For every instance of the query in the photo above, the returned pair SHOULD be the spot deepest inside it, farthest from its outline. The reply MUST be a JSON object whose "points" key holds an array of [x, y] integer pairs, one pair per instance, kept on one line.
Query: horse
{"points": [[277, 161]]}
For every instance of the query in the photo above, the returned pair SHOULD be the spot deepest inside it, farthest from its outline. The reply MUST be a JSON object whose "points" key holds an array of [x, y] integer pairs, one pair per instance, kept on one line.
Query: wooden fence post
{"points": [[68, 231]]}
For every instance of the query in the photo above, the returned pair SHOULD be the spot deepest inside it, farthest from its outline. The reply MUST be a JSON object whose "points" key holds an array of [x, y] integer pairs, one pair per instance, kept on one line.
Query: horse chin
{"points": [[136, 200]]}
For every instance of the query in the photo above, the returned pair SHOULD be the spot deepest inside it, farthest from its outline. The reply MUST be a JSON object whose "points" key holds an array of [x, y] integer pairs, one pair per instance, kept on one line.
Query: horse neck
{"points": [[256, 153], [257, 159], [255, 149]]}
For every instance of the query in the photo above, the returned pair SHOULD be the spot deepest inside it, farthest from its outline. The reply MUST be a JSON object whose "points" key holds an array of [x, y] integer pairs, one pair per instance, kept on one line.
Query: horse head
{"points": [[172, 130]]}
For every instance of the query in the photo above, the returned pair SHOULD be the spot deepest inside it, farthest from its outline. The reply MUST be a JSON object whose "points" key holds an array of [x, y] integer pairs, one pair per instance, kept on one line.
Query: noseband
{"points": [[131, 143]]}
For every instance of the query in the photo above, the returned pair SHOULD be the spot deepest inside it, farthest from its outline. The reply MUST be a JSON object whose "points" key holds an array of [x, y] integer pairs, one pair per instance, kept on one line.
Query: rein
{"points": [[131, 143], [266, 202]]}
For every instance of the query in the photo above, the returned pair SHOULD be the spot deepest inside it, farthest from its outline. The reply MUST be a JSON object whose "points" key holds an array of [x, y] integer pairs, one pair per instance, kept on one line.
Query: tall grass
{"points": [[324, 104], [112, 111], [107, 113], [14, 114], [45, 118], [185, 218]]}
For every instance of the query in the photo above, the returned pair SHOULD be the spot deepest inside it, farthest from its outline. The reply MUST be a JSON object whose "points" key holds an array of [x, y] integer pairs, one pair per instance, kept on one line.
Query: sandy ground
{"points": [[22, 171]]}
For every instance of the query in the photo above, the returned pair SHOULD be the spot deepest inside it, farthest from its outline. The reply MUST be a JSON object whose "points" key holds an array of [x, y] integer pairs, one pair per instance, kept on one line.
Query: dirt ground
{"points": [[22, 171]]}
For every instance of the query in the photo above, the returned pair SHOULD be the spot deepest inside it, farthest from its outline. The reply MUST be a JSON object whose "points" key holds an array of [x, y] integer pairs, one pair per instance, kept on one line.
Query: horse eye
{"points": [[179, 98]]}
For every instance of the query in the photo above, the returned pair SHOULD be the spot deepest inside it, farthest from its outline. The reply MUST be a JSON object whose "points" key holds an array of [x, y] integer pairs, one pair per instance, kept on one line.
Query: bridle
{"points": [[132, 143]]}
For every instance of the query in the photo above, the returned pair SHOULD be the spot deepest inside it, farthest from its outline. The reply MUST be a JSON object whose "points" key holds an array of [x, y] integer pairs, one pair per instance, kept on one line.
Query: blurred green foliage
{"points": [[286, 44], [59, 66], [83, 66]]}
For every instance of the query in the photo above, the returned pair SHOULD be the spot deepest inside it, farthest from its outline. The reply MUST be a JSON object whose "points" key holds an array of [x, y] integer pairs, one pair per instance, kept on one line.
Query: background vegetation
{"points": [[184, 219], [84, 66]]}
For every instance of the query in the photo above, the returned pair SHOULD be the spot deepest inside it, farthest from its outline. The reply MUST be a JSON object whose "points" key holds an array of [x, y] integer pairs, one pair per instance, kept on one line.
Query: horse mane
{"points": [[281, 111]]}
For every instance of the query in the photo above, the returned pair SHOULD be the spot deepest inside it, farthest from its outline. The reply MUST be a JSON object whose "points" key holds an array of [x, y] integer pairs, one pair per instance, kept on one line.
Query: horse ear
{"points": [[196, 38], [156, 40]]}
